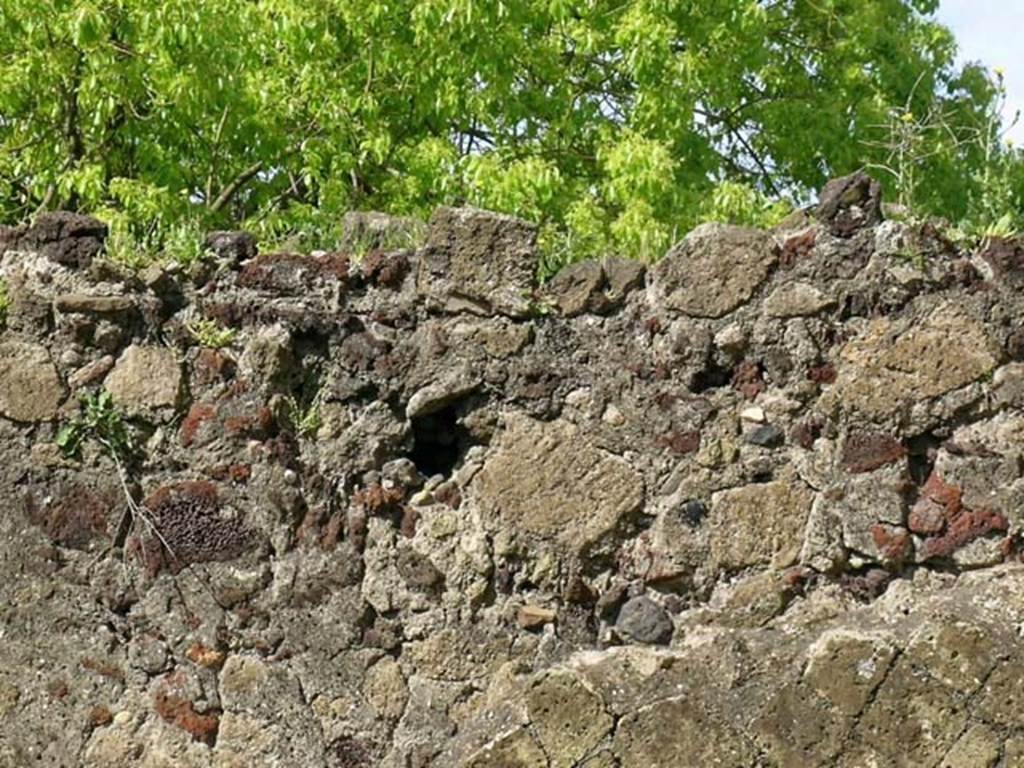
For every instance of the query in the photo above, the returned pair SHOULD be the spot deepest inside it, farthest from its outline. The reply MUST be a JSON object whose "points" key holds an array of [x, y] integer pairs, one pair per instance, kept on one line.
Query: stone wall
{"points": [[759, 504]]}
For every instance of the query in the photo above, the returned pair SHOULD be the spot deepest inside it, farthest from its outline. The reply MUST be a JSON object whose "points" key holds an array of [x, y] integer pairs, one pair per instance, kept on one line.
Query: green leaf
{"points": [[650, 115]]}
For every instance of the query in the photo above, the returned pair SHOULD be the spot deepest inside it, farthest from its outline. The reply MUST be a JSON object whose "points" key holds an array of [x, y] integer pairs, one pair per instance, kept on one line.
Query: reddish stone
{"points": [[201, 491], [197, 415], [893, 542], [331, 533], [822, 374], [384, 269], [962, 530], [805, 432], [864, 451], [75, 516], [232, 414], [379, 501], [797, 577], [213, 366], [235, 473], [99, 716], [940, 512], [250, 424], [927, 517], [1008, 547], [747, 379], [449, 494], [290, 272], [943, 493], [681, 443], [333, 265], [410, 517], [104, 668], [171, 704]]}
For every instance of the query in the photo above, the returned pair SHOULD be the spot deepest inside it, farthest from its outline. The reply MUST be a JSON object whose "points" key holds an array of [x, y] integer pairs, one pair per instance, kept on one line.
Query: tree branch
{"points": [[235, 185]]}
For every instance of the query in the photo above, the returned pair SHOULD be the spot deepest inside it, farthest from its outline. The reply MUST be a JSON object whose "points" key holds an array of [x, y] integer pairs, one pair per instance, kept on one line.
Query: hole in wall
{"points": [[921, 452], [439, 442], [711, 376]]}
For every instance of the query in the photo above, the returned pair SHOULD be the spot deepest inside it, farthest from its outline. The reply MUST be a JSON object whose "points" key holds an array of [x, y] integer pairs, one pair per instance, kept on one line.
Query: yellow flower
{"points": [[1000, 71]]}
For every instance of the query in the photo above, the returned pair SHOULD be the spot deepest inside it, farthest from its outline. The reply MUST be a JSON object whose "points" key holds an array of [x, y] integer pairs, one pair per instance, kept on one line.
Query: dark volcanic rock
{"points": [[67, 238], [850, 203], [644, 621]]}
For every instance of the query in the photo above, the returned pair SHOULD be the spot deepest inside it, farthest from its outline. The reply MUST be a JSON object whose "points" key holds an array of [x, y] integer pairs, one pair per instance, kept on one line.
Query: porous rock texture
{"points": [[760, 506]]}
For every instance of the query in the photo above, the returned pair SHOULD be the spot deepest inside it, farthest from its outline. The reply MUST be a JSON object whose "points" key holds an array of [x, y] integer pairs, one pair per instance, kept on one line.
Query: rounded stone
{"points": [[644, 621]]}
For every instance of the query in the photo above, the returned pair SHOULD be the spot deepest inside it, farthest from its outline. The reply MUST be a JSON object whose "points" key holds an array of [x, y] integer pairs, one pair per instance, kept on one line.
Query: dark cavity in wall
{"points": [[439, 441], [711, 376], [921, 451]]}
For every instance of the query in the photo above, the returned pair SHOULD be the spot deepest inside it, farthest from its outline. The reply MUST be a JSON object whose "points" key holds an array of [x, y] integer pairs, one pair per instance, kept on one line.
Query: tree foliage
{"points": [[617, 124]]}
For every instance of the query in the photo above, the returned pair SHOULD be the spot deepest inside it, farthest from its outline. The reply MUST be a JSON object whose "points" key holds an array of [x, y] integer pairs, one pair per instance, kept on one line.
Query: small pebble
{"points": [[767, 436], [754, 414]]}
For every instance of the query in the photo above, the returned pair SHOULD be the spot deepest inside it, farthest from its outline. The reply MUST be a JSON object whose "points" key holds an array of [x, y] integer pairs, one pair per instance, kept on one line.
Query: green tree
{"points": [[617, 124]]}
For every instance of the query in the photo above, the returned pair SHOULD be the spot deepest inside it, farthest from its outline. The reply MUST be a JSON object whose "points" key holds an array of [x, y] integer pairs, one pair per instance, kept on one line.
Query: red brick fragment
{"points": [[893, 542], [171, 704], [680, 442], [197, 415], [865, 451], [943, 493], [961, 531]]}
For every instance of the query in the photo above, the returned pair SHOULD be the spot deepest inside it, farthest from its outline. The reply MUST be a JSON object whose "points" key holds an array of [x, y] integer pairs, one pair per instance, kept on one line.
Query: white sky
{"points": [[988, 31]]}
